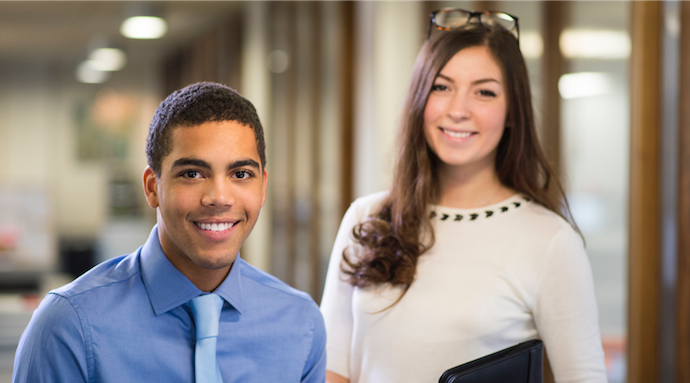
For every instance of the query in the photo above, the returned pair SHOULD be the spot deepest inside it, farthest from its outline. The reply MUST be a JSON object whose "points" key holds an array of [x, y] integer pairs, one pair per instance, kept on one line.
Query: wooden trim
{"points": [[644, 243], [683, 292], [348, 109], [553, 64], [289, 97], [230, 41], [553, 67], [315, 222], [427, 8], [483, 5]]}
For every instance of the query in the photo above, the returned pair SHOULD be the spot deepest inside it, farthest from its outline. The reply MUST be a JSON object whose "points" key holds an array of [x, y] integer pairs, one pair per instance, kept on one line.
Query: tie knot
{"points": [[206, 310]]}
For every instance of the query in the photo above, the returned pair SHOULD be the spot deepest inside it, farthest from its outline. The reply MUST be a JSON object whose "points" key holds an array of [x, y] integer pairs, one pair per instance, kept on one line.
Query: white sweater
{"points": [[496, 276]]}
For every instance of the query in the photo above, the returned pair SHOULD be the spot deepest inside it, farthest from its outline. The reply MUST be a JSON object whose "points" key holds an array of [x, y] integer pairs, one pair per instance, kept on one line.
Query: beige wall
{"points": [[38, 145]]}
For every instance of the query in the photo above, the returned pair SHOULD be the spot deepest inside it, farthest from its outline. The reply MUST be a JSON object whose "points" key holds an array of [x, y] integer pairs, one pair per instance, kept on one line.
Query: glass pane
{"points": [[594, 134], [595, 139]]}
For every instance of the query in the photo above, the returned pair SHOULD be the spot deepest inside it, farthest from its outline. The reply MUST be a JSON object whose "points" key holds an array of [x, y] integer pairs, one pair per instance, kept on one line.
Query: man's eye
{"points": [[192, 174], [242, 174]]}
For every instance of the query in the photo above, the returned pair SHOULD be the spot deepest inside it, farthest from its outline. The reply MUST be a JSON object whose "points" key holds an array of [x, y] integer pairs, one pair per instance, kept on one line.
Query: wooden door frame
{"points": [[644, 235], [683, 287]]}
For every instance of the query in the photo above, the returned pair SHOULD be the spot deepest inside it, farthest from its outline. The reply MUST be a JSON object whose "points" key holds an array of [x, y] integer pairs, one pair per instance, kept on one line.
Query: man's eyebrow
{"points": [[247, 162], [186, 161]]}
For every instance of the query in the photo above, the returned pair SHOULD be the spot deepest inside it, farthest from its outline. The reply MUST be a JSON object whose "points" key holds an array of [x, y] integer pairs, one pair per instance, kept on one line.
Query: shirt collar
{"points": [[168, 288], [231, 288]]}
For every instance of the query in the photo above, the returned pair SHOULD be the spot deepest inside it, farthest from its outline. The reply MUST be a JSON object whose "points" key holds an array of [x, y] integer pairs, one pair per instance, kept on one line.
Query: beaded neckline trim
{"points": [[480, 214]]}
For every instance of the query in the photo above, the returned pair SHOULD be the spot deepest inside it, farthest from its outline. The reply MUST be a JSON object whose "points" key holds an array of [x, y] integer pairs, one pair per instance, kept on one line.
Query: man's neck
{"points": [[204, 279]]}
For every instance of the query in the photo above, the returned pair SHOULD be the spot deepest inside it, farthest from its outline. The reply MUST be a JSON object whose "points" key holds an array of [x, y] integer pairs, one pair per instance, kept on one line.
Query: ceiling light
{"points": [[144, 27], [87, 74], [595, 44], [584, 84], [107, 59]]}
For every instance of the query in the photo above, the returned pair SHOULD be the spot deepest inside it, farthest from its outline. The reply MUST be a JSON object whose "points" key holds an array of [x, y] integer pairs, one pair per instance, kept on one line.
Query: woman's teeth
{"points": [[457, 134], [215, 226]]}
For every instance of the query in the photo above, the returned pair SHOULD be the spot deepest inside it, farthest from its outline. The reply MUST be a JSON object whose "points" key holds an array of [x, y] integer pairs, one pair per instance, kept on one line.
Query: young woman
{"points": [[470, 251]]}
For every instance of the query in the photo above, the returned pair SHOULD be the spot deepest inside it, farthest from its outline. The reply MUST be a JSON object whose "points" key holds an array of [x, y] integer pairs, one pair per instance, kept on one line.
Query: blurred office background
{"points": [[328, 80]]}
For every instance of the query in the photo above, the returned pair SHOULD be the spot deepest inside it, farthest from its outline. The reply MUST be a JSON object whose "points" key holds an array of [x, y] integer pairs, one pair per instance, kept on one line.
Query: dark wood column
{"points": [[348, 106], [644, 245], [485, 6], [553, 64], [316, 288], [683, 292]]}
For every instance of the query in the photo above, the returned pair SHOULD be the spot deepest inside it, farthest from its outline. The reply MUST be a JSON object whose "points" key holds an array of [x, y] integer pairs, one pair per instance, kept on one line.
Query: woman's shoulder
{"points": [[367, 205], [544, 225], [542, 216]]}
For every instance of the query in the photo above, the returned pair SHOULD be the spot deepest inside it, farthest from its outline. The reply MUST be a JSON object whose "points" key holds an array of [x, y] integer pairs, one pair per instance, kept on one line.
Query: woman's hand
{"points": [[332, 377]]}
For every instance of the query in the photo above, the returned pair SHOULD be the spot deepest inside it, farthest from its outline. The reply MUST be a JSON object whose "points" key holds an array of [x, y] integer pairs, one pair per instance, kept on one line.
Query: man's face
{"points": [[209, 194]]}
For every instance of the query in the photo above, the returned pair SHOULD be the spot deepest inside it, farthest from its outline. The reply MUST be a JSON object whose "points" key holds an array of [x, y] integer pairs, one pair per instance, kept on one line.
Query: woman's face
{"points": [[465, 114]]}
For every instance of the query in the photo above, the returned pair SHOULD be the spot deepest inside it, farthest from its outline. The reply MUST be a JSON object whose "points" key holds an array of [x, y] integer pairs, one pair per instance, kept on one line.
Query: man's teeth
{"points": [[457, 134], [215, 226]]}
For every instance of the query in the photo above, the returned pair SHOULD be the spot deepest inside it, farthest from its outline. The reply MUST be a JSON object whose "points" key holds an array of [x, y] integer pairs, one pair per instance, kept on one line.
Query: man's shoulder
{"points": [[271, 284], [106, 274]]}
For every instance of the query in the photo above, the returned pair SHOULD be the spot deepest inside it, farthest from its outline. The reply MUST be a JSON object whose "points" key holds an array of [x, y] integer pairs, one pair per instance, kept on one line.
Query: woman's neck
{"points": [[471, 186]]}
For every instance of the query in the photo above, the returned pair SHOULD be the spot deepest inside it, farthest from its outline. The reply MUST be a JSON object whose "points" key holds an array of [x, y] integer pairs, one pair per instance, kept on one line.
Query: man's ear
{"points": [[150, 187], [263, 198]]}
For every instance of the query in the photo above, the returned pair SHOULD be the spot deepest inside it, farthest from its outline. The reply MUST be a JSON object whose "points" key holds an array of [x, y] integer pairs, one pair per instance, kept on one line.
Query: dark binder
{"points": [[521, 363]]}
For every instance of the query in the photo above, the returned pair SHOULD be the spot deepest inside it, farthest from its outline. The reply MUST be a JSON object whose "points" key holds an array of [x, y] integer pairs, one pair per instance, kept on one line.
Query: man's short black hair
{"points": [[194, 105]]}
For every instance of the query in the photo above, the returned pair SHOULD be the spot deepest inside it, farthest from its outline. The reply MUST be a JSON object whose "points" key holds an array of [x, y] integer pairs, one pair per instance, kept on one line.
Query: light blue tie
{"points": [[206, 310]]}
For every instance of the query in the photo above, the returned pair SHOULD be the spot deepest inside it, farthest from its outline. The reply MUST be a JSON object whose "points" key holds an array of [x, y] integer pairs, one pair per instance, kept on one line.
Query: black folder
{"points": [[521, 363]]}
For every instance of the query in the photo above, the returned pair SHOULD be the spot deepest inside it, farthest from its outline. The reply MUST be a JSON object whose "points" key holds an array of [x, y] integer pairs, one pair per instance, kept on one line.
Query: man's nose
{"points": [[218, 194]]}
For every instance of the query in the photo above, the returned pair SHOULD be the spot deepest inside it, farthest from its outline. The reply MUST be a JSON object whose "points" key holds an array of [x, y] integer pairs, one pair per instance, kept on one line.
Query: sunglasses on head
{"points": [[451, 18]]}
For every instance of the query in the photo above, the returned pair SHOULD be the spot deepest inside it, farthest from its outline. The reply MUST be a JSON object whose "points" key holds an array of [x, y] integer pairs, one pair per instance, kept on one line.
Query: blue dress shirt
{"points": [[127, 320]]}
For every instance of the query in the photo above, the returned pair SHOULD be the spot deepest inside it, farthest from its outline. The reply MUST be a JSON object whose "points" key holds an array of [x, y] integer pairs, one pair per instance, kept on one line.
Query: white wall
{"points": [[385, 57]]}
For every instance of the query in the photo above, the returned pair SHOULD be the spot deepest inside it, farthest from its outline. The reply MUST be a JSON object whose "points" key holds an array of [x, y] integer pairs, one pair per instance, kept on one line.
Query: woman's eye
{"points": [[487, 93], [439, 87]]}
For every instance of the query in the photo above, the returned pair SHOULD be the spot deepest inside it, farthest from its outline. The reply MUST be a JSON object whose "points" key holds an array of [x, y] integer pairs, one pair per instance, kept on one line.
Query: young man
{"points": [[138, 318]]}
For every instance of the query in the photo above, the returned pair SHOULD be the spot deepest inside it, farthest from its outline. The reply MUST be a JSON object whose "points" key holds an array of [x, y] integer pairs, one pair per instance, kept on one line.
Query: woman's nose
{"points": [[458, 108]]}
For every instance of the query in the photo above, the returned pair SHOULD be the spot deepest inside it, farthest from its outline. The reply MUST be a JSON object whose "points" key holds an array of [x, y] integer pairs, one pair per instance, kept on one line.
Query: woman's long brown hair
{"points": [[395, 236]]}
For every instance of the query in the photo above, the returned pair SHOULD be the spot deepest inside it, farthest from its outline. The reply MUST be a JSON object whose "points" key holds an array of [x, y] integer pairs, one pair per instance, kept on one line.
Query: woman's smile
{"points": [[457, 135]]}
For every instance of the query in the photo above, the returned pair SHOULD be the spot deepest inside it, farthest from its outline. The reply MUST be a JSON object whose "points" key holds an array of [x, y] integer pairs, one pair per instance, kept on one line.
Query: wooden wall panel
{"points": [[553, 64], [483, 5], [316, 101], [683, 292], [644, 246], [348, 106], [213, 56], [427, 8]]}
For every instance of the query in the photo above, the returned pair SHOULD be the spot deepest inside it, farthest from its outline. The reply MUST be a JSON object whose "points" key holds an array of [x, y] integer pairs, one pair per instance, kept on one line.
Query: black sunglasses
{"points": [[450, 18]]}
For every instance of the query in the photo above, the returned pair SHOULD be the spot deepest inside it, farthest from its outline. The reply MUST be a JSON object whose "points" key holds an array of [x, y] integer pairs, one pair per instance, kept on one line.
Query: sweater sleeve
{"points": [[336, 304], [566, 313]]}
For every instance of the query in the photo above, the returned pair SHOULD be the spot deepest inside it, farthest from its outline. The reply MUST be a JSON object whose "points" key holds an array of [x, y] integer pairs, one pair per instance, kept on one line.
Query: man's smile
{"points": [[215, 226]]}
